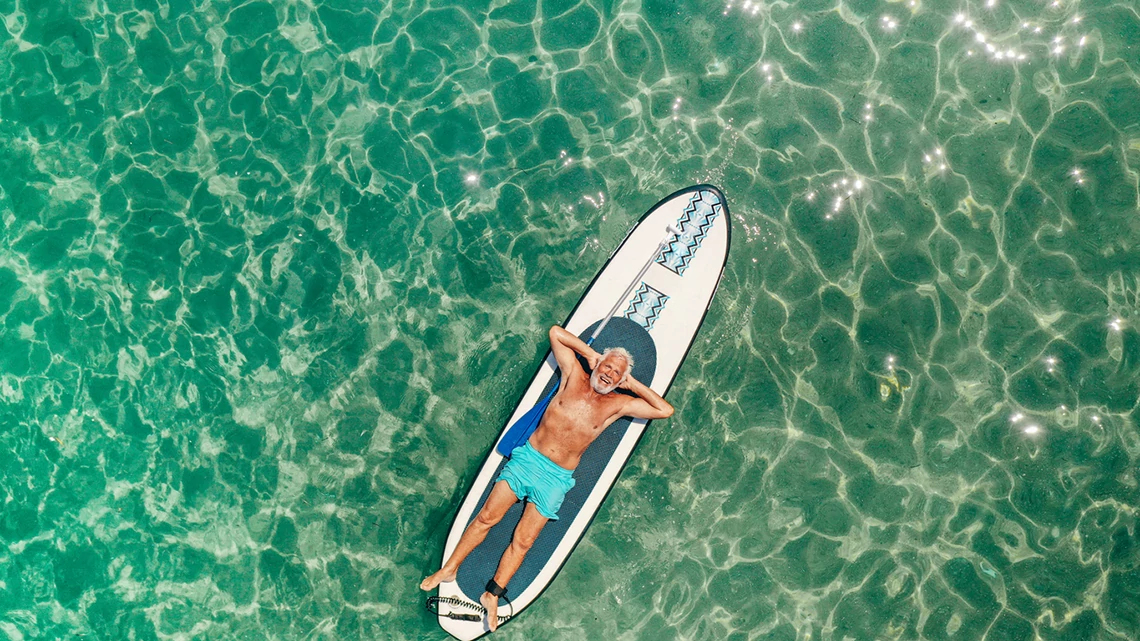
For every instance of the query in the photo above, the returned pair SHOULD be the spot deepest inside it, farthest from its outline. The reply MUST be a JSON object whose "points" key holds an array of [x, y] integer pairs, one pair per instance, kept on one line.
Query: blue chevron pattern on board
{"points": [[694, 223], [646, 306]]}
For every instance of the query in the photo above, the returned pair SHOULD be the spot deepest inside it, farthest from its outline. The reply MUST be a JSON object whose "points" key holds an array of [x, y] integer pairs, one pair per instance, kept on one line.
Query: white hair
{"points": [[622, 352]]}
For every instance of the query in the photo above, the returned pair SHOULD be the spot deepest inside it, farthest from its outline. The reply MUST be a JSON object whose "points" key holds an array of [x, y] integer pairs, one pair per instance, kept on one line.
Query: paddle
{"points": [[525, 426]]}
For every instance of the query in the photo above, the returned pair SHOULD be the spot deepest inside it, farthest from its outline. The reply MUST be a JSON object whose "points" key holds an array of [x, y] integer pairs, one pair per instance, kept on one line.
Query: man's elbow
{"points": [[667, 412]]}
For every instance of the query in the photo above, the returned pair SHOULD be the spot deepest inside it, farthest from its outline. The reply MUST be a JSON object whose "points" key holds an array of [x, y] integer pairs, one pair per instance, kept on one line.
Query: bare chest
{"points": [[571, 413], [574, 418]]}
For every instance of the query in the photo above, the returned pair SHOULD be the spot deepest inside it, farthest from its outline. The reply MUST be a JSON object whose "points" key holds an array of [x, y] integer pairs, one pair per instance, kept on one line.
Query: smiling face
{"points": [[609, 373]]}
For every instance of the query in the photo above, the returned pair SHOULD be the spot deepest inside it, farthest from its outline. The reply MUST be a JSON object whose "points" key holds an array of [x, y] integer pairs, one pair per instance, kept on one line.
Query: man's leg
{"points": [[498, 502], [526, 532]]}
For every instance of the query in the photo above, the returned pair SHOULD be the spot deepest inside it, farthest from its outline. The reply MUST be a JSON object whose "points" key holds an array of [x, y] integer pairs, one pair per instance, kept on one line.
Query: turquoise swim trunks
{"points": [[533, 476]]}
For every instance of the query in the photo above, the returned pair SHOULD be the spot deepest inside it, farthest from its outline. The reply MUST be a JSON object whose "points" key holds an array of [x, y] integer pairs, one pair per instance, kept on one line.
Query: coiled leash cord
{"points": [[433, 606], [433, 602]]}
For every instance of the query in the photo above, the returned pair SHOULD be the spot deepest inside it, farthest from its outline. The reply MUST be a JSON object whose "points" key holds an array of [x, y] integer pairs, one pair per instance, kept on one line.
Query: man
{"points": [[541, 470]]}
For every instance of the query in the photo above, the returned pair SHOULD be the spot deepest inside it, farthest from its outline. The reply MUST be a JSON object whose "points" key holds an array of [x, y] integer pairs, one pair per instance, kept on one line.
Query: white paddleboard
{"points": [[658, 322]]}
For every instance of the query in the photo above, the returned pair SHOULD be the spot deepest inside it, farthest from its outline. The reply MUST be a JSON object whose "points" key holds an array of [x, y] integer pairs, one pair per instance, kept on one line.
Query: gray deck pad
{"points": [[484, 560]]}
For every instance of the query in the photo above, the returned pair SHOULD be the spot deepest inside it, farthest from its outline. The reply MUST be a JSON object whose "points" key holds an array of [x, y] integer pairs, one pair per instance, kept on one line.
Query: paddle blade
{"points": [[524, 427]]}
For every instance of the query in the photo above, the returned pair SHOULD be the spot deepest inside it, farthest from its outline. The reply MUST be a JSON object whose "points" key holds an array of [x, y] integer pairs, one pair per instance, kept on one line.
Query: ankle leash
{"points": [[476, 610]]}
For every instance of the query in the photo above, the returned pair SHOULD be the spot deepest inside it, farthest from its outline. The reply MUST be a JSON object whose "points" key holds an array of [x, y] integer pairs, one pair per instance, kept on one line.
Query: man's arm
{"points": [[649, 405], [565, 347]]}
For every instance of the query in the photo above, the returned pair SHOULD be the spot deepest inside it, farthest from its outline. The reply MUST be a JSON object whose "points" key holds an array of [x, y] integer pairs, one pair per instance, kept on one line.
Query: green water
{"points": [[273, 274]]}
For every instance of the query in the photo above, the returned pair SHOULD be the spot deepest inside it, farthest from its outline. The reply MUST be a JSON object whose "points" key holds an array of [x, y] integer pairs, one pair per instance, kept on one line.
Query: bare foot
{"points": [[443, 576], [491, 602]]}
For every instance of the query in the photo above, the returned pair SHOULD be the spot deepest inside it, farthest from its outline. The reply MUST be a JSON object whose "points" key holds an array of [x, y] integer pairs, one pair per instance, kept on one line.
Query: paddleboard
{"points": [[657, 322]]}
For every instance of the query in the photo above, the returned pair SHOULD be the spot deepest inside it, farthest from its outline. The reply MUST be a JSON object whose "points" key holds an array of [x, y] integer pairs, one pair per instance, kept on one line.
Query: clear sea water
{"points": [[273, 275]]}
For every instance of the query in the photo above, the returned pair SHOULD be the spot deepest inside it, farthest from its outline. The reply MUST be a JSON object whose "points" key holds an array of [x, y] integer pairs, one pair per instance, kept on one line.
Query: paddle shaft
{"points": [[670, 231]]}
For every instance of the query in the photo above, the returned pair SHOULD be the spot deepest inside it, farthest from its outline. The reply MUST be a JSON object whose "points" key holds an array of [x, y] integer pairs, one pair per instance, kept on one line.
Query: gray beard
{"points": [[596, 383]]}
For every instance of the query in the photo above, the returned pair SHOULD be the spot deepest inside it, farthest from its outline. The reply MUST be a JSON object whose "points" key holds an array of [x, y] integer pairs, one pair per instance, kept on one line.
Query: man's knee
{"points": [[523, 542], [487, 519]]}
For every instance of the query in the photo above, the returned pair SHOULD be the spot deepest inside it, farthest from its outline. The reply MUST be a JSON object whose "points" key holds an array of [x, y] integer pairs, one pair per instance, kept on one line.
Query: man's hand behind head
{"points": [[593, 359]]}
